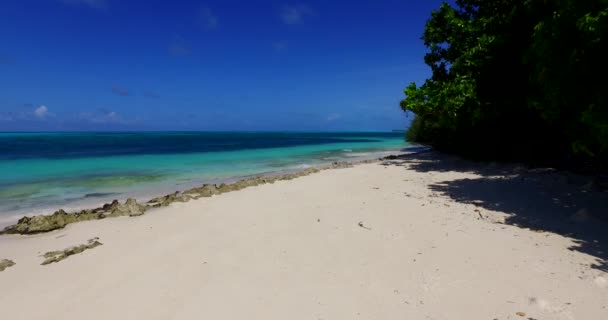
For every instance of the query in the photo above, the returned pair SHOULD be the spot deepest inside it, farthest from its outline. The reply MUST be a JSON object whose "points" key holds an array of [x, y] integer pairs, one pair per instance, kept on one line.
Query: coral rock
{"points": [[5, 263]]}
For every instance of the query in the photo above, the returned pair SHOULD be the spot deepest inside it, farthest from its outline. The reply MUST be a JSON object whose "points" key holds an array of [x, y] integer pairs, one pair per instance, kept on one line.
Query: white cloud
{"points": [[294, 14], [41, 112], [112, 117], [103, 118], [107, 117], [95, 4], [207, 18]]}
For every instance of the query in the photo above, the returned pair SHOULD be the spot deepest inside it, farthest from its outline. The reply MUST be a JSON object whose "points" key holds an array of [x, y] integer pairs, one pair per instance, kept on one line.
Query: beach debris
{"points": [[363, 226], [59, 219], [521, 314], [5, 263], [56, 256]]}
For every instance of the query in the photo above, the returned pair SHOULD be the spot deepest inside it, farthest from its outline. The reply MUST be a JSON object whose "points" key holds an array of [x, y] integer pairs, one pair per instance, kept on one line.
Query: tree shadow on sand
{"points": [[538, 199]]}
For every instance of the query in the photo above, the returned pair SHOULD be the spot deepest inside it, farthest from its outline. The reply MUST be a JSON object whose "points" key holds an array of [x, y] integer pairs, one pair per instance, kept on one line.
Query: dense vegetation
{"points": [[516, 80]]}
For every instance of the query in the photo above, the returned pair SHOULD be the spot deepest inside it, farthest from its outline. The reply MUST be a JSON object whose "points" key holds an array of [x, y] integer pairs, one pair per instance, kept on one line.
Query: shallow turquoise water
{"points": [[79, 170]]}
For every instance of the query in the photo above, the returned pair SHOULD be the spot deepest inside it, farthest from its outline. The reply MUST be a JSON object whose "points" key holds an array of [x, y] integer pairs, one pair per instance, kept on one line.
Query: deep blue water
{"points": [[45, 171], [14, 146]]}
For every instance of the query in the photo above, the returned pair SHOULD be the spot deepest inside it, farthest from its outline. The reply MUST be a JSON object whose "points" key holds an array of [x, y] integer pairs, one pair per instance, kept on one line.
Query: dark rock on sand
{"points": [[168, 199], [5, 263], [56, 256], [130, 208], [59, 219], [206, 190]]}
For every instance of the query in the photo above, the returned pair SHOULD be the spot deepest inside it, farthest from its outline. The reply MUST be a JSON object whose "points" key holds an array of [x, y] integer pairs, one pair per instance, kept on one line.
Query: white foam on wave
{"points": [[303, 166], [360, 154]]}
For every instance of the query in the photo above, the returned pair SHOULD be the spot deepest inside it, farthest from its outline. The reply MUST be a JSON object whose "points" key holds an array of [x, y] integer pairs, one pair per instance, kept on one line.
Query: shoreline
{"points": [[143, 195], [71, 214], [40, 180]]}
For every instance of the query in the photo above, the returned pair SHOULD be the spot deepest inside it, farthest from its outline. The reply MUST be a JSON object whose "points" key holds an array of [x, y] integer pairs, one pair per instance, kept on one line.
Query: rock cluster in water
{"points": [[56, 256], [60, 218], [5, 263]]}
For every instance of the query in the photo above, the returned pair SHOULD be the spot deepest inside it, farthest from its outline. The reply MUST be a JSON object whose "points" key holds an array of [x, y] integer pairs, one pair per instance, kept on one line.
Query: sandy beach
{"points": [[422, 236]]}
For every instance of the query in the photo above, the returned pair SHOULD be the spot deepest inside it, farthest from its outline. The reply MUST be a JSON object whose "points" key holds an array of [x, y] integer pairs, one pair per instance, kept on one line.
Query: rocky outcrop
{"points": [[206, 190], [56, 256], [168, 199], [60, 218], [5, 263], [130, 208]]}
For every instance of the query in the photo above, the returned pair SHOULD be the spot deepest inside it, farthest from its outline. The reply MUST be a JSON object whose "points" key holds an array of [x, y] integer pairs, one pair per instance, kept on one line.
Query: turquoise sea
{"points": [[42, 172]]}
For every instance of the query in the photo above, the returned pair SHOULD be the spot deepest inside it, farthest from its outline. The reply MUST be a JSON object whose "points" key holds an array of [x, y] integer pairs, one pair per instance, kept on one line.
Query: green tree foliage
{"points": [[515, 80]]}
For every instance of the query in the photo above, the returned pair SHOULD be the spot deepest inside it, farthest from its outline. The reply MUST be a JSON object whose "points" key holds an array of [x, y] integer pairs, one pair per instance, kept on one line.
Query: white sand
{"points": [[294, 250]]}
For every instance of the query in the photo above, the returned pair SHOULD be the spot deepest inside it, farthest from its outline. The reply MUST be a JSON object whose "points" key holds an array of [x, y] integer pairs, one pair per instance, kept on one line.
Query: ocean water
{"points": [[41, 172]]}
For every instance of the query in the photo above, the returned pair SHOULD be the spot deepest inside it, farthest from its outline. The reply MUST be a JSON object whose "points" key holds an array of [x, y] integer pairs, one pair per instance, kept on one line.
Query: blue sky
{"points": [[208, 65]]}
